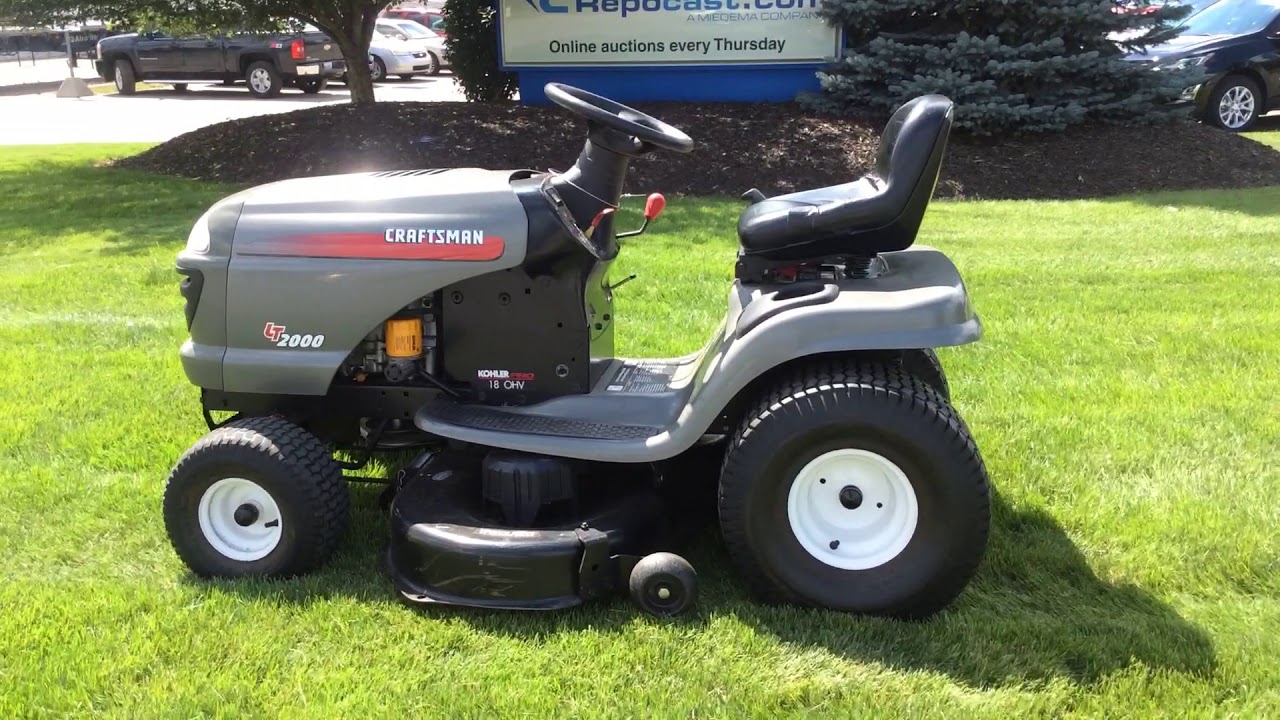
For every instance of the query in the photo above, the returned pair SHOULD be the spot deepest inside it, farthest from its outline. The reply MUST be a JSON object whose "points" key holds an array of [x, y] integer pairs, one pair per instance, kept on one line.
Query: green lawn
{"points": [[1124, 399]]}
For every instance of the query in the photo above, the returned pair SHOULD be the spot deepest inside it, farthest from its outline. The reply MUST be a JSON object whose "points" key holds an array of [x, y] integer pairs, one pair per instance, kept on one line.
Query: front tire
{"points": [[378, 71], [264, 80], [1234, 104], [258, 496], [434, 67], [126, 80], [855, 487]]}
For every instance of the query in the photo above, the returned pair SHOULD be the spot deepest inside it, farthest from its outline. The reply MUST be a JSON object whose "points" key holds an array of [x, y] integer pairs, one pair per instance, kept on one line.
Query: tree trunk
{"points": [[360, 82], [352, 28]]}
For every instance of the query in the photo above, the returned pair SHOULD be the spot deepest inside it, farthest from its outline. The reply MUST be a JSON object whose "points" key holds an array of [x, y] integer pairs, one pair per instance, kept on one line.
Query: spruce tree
{"points": [[1009, 65]]}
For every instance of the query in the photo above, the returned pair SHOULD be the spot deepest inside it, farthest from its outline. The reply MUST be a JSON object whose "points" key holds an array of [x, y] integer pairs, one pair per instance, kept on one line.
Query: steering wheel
{"points": [[602, 110]]}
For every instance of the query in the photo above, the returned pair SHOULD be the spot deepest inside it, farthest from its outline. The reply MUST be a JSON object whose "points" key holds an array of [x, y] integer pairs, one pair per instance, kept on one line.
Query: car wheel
{"points": [[126, 81], [264, 80], [180, 87], [1234, 104], [378, 70], [434, 67], [311, 87]]}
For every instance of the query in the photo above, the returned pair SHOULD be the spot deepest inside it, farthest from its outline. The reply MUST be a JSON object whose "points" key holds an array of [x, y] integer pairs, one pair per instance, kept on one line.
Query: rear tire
{"points": [[924, 364], [126, 80], [378, 70], [264, 80], [258, 496], [855, 487], [180, 87]]}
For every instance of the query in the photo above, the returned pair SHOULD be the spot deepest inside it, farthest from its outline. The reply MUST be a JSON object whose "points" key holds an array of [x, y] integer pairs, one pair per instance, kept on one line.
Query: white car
{"points": [[418, 37], [392, 56]]}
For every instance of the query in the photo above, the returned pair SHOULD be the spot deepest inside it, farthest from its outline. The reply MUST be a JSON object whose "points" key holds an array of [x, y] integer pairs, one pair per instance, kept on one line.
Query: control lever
{"points": [[621, 282], [653, 207], [754, 196], [595, 222]]}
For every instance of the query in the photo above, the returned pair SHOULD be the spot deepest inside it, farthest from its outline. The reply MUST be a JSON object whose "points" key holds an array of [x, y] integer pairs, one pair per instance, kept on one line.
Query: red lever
{"points": [[595, 222], [654, 206]]}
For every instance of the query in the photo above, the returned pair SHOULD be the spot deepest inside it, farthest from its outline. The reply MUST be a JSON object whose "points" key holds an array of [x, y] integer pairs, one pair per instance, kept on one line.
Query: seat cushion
{"points": [[797, 219], [880, 212]]}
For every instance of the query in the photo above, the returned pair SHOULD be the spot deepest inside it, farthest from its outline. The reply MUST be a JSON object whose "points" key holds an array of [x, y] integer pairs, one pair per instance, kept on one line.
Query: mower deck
{"points": [[450, 546]]}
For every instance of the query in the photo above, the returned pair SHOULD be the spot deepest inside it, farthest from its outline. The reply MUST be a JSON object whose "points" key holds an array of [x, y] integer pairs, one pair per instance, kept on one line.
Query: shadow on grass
{"points": [[1260, 202], [43, 201], [1036, 611]]}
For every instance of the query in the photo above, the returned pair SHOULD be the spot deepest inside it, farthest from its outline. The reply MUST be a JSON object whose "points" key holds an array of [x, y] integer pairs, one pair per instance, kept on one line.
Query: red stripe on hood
{"points": [[373, 246]]}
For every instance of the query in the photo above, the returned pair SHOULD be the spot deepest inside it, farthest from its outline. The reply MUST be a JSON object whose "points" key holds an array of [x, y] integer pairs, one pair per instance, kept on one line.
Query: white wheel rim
{"points": [[234, 531], [377, 71], [260, 80], [119, 78], [1236, 107], [856, 529]]}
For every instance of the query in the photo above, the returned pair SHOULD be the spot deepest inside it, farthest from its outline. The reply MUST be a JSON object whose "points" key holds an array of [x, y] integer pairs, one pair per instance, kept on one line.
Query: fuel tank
{"points": [[327, 259]]}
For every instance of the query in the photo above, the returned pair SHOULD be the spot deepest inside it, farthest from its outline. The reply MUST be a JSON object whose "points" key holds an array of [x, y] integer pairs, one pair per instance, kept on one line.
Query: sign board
{"points": [[603, 33]]}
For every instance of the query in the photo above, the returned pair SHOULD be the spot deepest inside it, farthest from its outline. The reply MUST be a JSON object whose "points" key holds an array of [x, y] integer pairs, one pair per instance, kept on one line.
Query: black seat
{"points": [[880, 212]]}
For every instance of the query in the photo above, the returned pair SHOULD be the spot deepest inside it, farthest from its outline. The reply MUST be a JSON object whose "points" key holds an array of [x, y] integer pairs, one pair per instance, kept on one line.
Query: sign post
{"points": [[72, 87], [713, 50]]}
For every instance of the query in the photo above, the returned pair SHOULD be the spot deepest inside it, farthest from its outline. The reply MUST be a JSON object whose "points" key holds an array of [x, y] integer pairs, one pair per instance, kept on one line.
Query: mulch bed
{"points": [[778, 148]]}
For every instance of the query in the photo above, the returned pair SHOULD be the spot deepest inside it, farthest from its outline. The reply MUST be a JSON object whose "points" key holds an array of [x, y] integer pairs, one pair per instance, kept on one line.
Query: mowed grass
{"points": [[1124, 399]]}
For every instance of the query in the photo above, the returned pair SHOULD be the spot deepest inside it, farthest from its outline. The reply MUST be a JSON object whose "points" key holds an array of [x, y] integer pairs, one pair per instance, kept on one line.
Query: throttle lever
{"points": [[754, 195]]}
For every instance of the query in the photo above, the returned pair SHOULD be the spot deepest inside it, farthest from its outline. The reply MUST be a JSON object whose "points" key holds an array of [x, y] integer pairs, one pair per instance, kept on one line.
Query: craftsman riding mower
{"points": [[464, 319]]}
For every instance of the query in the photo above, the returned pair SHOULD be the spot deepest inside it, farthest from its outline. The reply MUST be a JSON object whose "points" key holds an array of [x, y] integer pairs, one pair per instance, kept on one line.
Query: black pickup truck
{"points": [[267, 63]]}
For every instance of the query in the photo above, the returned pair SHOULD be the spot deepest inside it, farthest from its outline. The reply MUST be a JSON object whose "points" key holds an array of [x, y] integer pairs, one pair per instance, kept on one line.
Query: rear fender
{"points": [[920, 302]]}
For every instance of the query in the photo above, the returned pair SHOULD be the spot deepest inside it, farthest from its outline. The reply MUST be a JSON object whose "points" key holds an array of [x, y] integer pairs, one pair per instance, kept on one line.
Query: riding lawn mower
{"points": [[464, 318]]}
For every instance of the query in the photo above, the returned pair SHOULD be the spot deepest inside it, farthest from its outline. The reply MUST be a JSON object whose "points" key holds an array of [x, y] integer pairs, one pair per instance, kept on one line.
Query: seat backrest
{"points": [[909, 159]]}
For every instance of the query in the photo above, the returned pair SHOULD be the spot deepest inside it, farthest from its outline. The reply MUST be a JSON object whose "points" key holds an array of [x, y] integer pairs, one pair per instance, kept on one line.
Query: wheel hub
{"points": [[850, 497], [246, 515], [852, 509], [1236, 107], [260, 80], [240, 519]]}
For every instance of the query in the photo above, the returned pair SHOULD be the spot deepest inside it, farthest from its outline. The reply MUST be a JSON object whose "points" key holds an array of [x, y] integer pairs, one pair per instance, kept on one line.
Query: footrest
{"points": [[479, 417]]}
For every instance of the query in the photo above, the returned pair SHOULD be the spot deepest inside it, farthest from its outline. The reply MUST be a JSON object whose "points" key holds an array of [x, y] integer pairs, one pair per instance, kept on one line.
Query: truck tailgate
{"points": [[321, 47]]}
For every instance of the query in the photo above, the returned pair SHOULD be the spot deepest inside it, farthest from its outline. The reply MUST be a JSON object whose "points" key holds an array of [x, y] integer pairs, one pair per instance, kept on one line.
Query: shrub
{"points": [[472, 43], [1009, 65]]}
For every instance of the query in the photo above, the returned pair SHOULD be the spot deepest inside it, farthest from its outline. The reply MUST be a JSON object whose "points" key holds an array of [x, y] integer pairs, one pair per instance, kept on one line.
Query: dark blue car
{"points": [[1236, 43]]}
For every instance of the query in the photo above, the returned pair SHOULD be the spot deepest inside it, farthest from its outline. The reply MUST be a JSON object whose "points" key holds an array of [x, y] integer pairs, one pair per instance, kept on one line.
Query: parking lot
{"points": [[34, 116]]}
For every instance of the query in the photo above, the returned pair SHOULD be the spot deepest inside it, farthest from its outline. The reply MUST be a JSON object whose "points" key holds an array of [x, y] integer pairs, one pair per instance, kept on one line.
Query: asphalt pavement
{"points": [[160, 114]]}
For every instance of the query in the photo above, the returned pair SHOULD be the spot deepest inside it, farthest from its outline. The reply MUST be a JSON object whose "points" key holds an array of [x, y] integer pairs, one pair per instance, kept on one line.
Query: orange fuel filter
{"points": [[404, 338]]}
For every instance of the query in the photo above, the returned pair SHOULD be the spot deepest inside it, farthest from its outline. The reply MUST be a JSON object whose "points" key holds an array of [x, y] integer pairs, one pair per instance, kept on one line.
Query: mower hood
{"points": [[453, 214]]}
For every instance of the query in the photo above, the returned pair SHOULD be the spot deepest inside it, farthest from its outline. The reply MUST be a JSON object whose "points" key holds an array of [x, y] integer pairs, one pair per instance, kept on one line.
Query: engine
{"points": [[400, 349]]}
